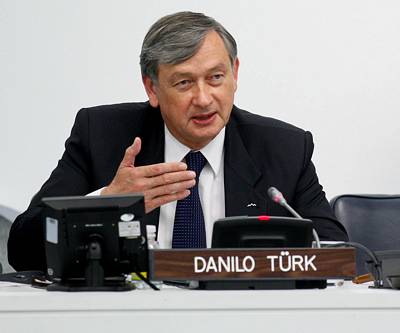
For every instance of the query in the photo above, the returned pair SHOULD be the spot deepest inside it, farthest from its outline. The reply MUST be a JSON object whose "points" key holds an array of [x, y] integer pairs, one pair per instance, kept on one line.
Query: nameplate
{"points": [[288, 263]]}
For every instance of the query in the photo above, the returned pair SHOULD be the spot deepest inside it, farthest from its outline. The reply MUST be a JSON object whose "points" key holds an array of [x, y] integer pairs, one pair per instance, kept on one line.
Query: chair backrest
{"points": [[5, 226], [372, 220], [7, 216]]}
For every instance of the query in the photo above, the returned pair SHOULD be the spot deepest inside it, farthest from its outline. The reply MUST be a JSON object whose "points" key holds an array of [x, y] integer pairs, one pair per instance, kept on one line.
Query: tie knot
{"points": [[195, 162]]}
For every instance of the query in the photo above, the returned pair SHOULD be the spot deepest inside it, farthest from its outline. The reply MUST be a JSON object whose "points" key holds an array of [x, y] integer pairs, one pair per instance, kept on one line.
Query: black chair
{"points": [[372, 220], [7, 216]]}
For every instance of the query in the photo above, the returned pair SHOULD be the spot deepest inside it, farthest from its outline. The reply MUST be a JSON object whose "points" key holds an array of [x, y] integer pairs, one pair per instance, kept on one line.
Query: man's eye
{"points": [[217, 78], [183, 83]]}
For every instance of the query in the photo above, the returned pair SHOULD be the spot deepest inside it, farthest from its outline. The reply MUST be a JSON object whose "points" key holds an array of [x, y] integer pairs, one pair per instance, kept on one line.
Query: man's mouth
{"points": [[204, 119]]}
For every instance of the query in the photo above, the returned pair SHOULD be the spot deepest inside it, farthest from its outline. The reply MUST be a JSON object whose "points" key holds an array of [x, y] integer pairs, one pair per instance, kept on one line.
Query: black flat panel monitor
{"points": [[92, 241]]}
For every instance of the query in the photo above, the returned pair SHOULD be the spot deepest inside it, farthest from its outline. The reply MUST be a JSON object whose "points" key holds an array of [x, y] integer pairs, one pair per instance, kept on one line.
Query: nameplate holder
{"points": [[245, 264]]}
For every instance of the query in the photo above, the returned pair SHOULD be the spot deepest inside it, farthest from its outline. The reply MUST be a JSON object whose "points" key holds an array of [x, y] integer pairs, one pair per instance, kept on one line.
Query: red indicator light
{"points": [[264, 218]]}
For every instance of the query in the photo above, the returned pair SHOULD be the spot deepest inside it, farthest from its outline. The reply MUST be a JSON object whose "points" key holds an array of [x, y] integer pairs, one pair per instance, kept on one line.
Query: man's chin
{"points": [[203, 138]]}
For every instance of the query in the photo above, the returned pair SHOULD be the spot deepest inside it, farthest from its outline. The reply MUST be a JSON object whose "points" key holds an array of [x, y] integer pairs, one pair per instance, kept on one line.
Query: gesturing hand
{"points": [[161, 183]]}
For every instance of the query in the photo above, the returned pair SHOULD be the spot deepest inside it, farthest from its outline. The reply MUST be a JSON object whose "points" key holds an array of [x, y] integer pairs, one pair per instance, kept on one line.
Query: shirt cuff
{"points": [[97, 192]]}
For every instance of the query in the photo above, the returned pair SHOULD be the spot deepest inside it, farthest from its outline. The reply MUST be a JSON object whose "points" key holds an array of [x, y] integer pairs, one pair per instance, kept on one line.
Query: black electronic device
{"points": [[92, 241], [389, 261], [262, 232]]}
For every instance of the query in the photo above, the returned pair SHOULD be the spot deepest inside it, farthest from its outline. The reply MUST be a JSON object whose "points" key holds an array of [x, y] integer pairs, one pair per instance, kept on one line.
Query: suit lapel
{"points": [[152, 139], [244, 186], [152, 152]]}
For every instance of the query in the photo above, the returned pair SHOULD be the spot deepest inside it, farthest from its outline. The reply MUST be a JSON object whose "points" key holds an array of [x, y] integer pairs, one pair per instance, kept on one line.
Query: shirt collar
{"points": [[213, 152]]}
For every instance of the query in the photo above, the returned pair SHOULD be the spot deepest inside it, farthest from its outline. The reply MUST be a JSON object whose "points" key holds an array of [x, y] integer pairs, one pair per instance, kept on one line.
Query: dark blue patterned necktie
{"points": [[189, 227]]}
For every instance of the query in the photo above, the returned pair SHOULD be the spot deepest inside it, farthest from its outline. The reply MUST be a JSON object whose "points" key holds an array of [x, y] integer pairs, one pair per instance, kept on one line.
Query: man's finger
{"points": [[170, 188], [162, 200], [131, 152], [170, 178], [154, 170]]}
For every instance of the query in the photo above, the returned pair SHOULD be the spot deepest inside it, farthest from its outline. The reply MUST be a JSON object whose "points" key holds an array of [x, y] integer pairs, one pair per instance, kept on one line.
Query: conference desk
{"points": [[349, 308]]}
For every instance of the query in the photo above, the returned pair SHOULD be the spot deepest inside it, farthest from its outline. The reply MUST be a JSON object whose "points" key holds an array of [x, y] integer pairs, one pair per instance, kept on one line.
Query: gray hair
{"points": [[177, 37]]}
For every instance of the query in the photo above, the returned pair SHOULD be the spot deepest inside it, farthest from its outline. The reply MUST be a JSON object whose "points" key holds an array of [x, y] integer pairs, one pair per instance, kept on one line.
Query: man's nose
{"points": [[202, 95]]}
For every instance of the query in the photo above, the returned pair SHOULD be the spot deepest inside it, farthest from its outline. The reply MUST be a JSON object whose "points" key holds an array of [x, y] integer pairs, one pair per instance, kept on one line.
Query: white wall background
{"points": [[332, 67]]}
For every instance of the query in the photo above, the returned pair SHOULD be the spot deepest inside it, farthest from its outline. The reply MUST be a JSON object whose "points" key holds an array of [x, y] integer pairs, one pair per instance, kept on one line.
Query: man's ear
{"points": [[236, 71], [149, 85]]}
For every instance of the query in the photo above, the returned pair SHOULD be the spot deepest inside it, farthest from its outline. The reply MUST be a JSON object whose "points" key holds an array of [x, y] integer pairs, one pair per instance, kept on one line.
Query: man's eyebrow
{"points": [[179, 75], [219, 67], [182, 75]]}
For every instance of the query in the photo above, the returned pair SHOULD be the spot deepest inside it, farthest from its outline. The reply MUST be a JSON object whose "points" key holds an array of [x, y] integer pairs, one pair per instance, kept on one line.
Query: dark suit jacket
{"points": [[259, 152]]}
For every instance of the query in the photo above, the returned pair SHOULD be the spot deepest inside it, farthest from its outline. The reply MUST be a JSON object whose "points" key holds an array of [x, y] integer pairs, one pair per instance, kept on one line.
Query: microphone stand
{"points": [[278, 197]]}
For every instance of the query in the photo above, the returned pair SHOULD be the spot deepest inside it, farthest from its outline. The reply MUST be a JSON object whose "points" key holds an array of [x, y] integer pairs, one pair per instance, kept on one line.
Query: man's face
{"points": [[196, 96]]}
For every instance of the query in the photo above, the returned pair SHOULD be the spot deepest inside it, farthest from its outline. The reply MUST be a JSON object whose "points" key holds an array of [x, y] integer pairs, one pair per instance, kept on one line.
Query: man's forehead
{"points": [[176, 71]]}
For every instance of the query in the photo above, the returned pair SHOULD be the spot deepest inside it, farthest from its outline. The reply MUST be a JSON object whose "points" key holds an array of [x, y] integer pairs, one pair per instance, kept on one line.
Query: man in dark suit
{"points": [[190, 68]]}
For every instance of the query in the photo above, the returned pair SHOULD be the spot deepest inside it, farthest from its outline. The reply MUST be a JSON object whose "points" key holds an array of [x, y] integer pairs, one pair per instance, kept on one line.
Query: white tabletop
{"points": [[349, 308]]}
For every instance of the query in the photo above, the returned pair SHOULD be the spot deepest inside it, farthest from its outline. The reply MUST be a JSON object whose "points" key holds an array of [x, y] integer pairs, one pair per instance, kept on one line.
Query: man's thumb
{"points": [[131, 152]]}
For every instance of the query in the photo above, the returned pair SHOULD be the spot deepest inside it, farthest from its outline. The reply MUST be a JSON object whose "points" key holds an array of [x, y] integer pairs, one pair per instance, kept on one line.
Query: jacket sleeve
{"points": [[72, 176], [310, 200]]}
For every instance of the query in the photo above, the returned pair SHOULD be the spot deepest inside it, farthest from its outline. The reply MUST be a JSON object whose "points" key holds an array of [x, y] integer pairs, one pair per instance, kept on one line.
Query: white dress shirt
{"points": [[211, 186]]}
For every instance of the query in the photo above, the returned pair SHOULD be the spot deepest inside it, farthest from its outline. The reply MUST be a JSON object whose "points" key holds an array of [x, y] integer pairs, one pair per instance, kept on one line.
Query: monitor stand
{"points": [[94, 279]]}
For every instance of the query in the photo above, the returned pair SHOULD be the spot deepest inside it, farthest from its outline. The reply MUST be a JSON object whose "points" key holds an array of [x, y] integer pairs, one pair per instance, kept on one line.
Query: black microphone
{"points": [[276, 196]]}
